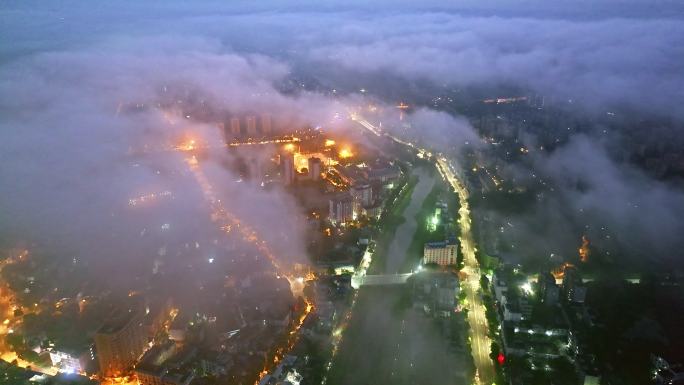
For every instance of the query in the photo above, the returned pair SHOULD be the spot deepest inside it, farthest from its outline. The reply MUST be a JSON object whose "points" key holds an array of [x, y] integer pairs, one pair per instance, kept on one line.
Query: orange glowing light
{"points": [[291, 341], [226, 220], [188, 145], [329, 143], [345, 153], [310, 276], [559, 272], [584, 249], [289, 147]]}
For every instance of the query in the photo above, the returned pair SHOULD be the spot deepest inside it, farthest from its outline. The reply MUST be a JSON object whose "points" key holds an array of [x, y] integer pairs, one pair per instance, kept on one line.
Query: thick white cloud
{"points": [[601, 63], [65, 68]]}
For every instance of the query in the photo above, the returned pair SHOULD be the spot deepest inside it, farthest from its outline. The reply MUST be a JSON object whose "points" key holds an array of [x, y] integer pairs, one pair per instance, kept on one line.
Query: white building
{"points": [[441, 253], [341, 209]]}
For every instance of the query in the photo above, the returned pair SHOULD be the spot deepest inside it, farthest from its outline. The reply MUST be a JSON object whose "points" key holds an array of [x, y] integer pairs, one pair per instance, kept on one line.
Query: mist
{"points": [[65, 143]]}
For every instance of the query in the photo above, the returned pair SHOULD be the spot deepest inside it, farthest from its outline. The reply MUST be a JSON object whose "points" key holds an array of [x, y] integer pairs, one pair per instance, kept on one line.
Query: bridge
{"points": [[359, 280]]}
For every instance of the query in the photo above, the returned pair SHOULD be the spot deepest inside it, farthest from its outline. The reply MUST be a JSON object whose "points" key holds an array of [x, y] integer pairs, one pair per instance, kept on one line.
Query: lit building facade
{"points": [[120, 342], [363, 194], [266, 126], [287, 163], [341, 209], [442, 253], [71, 362], [314, 168]]}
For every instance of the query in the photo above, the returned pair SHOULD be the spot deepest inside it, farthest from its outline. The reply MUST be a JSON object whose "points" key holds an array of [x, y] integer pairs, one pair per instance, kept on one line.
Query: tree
{"points": [[494, 350], [484, 282], [15, 341]]}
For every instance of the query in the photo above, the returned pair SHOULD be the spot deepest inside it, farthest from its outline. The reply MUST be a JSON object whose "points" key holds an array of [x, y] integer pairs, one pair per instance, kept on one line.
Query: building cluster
{"points": [[108, 339], [354, 188], [247, 127], [164, 364], [230, 335], [537, 333], [284, 374], [330, 294], [436, 293], [291, 173], [361, 190]]}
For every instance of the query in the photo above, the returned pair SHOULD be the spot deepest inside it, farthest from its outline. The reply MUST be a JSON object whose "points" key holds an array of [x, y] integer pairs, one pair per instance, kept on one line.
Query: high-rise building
{"points": [[251, 126], [341, 209], [573, 289], [441, 253], [373, 211], [120, 341], [549, 291], [314, 168], [73, 359], [155, 367], [266, 128], [362, 193], [287, 167], [235, 126]]}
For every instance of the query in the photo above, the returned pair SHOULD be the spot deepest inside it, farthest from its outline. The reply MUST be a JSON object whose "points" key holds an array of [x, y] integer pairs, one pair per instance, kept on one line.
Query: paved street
{"points": [[481, 343]]}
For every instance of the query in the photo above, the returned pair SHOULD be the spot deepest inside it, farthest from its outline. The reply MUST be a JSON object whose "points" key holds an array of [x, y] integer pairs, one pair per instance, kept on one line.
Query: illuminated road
{"points": [[228, 222], [480, 341], [193, 145]]}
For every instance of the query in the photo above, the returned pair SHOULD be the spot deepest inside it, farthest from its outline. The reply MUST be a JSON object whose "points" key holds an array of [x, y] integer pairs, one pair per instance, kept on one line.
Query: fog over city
{"points": [[106, 110], [60, 88]]}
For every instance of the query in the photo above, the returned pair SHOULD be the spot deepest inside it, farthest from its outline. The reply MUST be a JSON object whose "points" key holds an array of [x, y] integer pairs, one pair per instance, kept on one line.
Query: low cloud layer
{"points": [[625, 213], [601, 64], [644, 215], [70, 75], [86, 131]]}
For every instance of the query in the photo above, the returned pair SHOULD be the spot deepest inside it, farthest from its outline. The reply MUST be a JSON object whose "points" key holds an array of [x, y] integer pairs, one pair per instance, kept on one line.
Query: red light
{"points": [[500, 359]]}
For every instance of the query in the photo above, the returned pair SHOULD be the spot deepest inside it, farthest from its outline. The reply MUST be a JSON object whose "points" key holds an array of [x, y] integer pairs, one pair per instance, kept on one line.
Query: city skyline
{"points": [[287, 192]]}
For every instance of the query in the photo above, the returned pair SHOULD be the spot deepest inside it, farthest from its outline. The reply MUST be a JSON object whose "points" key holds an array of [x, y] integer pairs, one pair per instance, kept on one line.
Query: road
{"points": [[480, 341]]}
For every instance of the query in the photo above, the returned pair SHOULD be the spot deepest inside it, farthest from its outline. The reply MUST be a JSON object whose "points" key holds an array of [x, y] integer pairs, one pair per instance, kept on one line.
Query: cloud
{"points": [[85, 130], [437, 130], [622, 210], [644, 215], [68, 69], [601, 63]]}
